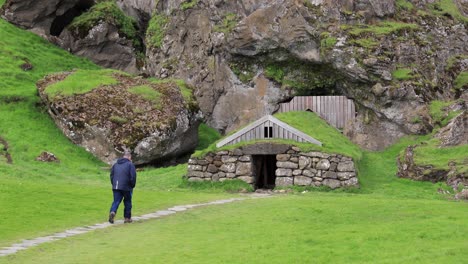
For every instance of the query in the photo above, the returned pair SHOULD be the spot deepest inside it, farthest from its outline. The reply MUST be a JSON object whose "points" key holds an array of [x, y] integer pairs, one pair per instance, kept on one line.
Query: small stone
{"points": [[194, 168], [230, 175], [309, 172], [294, 159], [237, 152], [331, 183], [297, 149], [222, 153], [203, 162], [209, 159], [297, 172], [287, 165], [330, 175], [218, 163], [346, 175], [323, 164], [304, 162], [333, 166], [302, 181], [317, 179], [228, 167], [346, 166], [283, 157], [221, 174], [215, 177], [47, 157], [244, 168], [192, 161], [284, 181], [212, 168], [283, 172], [228, 159], [351, 182], [207, 175], [245, 158]]}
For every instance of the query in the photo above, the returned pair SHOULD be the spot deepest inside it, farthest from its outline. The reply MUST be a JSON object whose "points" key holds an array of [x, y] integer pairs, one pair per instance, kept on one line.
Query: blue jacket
{"points": [[123, 175]]}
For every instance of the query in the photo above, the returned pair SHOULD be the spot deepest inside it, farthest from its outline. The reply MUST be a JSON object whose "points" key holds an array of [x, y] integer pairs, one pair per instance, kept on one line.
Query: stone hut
{"points": [[266, 164]]}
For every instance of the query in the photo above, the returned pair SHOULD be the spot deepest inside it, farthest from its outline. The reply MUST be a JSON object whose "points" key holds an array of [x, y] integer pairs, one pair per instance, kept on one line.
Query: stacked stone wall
{"points": [[293, 168]]}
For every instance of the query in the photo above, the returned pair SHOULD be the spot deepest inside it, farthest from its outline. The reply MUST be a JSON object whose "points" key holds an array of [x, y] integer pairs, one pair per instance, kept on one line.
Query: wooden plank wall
{"points": [[336, 110], [257, 132]]}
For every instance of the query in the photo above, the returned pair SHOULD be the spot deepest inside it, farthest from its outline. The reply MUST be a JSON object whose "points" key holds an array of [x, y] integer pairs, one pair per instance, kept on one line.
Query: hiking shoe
{"points": [[128, 220], [111, 217]]}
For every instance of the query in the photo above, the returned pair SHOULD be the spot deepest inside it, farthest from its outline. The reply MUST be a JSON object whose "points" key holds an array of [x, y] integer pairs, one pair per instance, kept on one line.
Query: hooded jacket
{"points": [[123, 175]]}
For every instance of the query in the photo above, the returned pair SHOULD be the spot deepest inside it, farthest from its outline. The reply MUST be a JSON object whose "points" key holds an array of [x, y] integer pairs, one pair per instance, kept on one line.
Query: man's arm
{"points": [[132, 175], [112, 175]]}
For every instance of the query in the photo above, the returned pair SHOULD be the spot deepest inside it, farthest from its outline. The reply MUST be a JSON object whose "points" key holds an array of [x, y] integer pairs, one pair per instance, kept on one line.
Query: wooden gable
{"points": [[267, 127]]}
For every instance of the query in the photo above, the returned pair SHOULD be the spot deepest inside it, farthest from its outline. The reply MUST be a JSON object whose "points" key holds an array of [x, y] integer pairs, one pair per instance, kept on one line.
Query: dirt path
{"points": [[25, 244]]}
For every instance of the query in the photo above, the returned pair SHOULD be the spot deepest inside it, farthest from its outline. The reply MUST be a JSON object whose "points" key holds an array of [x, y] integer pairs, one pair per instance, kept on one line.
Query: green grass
{"points": [[332, 140], [327, 42], [461, 81], [431, 154], [402, 74], [206, 136], [404, 4], [80, 82], [275, 72], [40, 198], [188, 4], [367, 43], [227, 25], [380, 29], [310, 228], [148, 93], [448, 7], [439, 113], [156, 30]]}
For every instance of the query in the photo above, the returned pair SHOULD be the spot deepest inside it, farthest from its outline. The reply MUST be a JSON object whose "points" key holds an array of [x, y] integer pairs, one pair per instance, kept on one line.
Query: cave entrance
{"points": [[265, 171], [64, 20]]}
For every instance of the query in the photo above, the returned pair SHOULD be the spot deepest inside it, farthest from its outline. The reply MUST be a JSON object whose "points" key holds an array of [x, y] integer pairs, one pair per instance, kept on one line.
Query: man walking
{"points": [[123, 180]]}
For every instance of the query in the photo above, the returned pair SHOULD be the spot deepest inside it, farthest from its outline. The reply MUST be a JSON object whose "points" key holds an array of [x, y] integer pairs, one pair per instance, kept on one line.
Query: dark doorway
{"points": [[64, 20], [265, 168]]}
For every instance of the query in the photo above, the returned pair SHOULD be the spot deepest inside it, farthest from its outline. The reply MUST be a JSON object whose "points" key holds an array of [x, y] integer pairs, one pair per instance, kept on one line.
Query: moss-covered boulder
{"points": [[106, 112]]}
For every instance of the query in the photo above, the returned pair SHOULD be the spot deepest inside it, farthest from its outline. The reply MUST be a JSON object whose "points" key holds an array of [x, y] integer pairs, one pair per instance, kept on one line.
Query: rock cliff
{"points": [[246, 56]]}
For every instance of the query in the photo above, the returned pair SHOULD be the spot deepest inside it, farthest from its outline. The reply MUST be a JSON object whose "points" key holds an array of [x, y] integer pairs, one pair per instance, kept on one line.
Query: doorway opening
{"points": [[264, 168]]}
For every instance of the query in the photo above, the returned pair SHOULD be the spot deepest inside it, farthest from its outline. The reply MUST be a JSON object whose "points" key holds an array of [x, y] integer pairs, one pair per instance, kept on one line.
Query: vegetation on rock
{"points": [[156, 30], [227, 24], [80, 82], [106, 11]]}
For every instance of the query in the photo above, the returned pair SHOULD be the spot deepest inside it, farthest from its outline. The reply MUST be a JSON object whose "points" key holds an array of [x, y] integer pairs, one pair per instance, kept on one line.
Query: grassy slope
{"points": [[38, 198]]}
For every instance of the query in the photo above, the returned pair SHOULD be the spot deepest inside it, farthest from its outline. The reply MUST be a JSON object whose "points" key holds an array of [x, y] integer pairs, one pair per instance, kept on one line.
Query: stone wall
{"points": [[294, 167]]}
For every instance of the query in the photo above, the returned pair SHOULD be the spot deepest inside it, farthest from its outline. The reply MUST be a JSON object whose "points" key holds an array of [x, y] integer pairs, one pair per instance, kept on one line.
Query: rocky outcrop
{"points": [[245, 57], [113, 118], [103, 45], [293, 167], [408, 168], [103, 42], [456, 132]]}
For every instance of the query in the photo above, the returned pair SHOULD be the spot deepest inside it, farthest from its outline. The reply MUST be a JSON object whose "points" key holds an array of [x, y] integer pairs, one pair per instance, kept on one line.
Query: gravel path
{"points": [[25, 244]]}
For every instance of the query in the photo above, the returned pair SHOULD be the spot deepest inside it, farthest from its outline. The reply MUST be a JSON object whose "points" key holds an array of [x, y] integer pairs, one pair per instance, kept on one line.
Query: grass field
{"points": [[387, 220]]}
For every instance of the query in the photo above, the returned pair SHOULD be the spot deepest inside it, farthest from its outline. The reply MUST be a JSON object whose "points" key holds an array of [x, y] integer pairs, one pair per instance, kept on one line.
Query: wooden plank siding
{"points": [[256, 131], [336, 110]]}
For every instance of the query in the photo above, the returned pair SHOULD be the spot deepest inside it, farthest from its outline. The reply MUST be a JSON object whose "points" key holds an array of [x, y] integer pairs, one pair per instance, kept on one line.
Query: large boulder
{"points": [[156, 121]]}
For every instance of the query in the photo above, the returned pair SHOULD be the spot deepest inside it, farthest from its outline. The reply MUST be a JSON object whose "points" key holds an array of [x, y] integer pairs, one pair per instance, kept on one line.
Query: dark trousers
{"points": [[127, 199]]}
